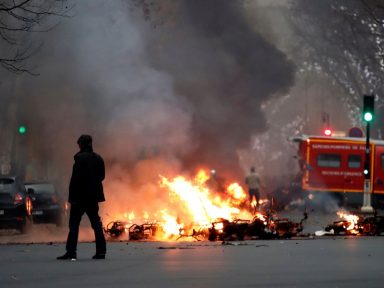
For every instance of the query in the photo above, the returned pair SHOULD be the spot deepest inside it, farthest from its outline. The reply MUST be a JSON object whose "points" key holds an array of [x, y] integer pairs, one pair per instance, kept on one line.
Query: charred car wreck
{"points": [[120, 229], [260, 227], [356, 226]]}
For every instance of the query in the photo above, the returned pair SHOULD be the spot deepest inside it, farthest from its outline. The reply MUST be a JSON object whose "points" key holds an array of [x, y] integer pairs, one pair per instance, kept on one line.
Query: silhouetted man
{"points": [[85, 193]]}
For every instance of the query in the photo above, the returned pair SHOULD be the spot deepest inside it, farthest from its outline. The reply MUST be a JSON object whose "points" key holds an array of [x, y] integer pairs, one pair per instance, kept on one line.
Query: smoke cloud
{"points": [[224, 70], [165, 96]]}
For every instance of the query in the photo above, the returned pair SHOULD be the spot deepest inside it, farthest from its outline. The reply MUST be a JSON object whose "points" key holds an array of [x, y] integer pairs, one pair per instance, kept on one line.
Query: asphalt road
{"points": [[308, 262]]}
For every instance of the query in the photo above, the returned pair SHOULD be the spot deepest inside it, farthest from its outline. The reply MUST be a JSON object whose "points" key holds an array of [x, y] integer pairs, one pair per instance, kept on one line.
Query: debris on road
{"points": [[354, 225], [262, 226]]}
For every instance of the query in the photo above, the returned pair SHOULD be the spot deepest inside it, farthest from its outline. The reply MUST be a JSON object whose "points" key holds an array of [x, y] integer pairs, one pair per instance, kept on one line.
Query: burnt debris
{"points": [[362, 226], [262, 226]]}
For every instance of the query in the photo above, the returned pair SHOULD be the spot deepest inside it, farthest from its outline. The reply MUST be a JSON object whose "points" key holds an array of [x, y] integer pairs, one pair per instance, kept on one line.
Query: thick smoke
{"points": [[158, 100], [224, 70]]}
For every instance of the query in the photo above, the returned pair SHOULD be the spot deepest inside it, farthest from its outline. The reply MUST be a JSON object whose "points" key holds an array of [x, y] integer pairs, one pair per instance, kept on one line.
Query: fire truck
{"points": [[335, 165]]}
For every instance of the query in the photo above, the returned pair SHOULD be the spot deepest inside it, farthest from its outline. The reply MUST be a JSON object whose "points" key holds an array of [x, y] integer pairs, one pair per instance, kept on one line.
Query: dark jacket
{"points": [[87, 176]]}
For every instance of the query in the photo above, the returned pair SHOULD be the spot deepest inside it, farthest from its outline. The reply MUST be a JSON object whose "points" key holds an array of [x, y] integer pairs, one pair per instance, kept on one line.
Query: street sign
{"points": [[356, 132]]}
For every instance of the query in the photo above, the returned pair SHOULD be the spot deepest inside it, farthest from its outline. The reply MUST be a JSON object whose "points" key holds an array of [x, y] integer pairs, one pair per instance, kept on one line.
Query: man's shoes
{"points": [[67, 256], [98, 256]]}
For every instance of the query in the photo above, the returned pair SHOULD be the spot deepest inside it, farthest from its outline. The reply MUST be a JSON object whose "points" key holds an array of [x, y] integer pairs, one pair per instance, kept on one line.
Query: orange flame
{"points": [[191, 204], [262, 217], [350, 218], [201, 177], [237, 192]]}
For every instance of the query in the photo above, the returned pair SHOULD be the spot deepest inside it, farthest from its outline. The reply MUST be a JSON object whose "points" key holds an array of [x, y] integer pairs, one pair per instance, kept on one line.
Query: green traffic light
{"points": [[368, 107], [368, 116], [22, 129]]}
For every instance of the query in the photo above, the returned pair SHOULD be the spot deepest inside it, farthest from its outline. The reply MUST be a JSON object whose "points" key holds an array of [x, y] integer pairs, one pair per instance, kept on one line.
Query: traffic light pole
{"points": [[367, 207]]}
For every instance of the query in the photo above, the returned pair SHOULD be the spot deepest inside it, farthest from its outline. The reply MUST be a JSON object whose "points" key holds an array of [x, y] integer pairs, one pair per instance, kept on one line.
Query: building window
{"points": [[329, 160], [354, 161]]}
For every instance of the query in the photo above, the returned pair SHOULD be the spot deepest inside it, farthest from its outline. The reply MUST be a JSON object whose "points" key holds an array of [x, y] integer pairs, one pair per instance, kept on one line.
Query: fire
{"points": [[261, 217], [237, 192], [170, 225], [200, 203], [254, 202], [201, 177], [129, 216], [192, 204], [350, 218]]}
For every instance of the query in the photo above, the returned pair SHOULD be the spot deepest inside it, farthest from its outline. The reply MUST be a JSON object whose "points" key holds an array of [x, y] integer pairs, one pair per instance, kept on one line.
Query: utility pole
{"points": [[368, 112]]}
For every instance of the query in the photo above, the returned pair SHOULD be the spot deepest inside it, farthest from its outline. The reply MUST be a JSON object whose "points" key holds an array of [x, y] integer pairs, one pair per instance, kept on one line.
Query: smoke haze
{"points": [[158, 97], [224, 70]]}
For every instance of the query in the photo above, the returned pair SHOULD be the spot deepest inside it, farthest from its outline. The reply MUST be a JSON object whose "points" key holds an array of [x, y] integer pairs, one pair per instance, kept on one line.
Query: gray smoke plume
{"points": [[158, 99], [189, 91], [224, 70]]}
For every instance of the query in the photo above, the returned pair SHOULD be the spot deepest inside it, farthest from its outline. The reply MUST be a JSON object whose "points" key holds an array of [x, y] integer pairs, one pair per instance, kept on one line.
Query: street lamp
{"points": [[368, 115]]}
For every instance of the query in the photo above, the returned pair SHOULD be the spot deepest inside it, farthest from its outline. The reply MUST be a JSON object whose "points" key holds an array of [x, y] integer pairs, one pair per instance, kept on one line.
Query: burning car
{"points": [[115, 229], [143, 232], [120, 229], [285, 228], [373, 225], [196, 211], [261, 227], [351, 224], [225, 230]]}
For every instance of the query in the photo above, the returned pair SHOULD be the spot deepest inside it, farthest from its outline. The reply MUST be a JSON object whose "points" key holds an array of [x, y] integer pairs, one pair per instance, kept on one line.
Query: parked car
{"points": [[15, 204], [47, 205]]}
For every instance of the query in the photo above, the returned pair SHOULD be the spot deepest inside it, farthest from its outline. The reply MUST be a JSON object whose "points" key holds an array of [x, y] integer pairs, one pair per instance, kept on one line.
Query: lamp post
{"points": [[367, 207], [368, 110]]}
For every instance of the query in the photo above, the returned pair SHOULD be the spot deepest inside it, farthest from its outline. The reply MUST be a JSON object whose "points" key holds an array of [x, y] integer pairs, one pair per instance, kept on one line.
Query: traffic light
{"points": [[327, 132], [22, 129], [369, 107]]}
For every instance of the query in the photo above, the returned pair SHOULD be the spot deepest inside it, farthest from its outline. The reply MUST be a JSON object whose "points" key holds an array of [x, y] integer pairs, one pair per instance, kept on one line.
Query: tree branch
{"points": [[17, 18]]}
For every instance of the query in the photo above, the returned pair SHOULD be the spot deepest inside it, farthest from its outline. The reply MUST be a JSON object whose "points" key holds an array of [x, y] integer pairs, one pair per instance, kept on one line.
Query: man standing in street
{"points": [[253, 183], [85, 193]]}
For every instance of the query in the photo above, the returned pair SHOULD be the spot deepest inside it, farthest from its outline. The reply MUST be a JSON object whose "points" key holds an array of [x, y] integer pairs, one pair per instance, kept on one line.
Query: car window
{"points": [[6, 185], [42, 188]]}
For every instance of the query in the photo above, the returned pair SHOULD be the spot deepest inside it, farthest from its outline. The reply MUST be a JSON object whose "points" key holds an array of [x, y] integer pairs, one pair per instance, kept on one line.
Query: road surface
{"points": [[306, 262]]}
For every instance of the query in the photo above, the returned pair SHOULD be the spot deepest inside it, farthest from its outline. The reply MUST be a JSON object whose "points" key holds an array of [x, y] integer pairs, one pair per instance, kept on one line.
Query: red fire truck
{"points": [[335, 165]]}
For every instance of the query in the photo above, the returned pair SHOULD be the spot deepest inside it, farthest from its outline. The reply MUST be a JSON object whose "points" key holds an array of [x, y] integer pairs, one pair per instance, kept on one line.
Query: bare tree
{"points": [[375, 12], [19, 18], [343, 39]]}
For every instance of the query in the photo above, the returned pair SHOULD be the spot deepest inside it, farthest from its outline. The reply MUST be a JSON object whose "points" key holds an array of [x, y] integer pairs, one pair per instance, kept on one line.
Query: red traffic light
{"points": [[327, 132]]}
